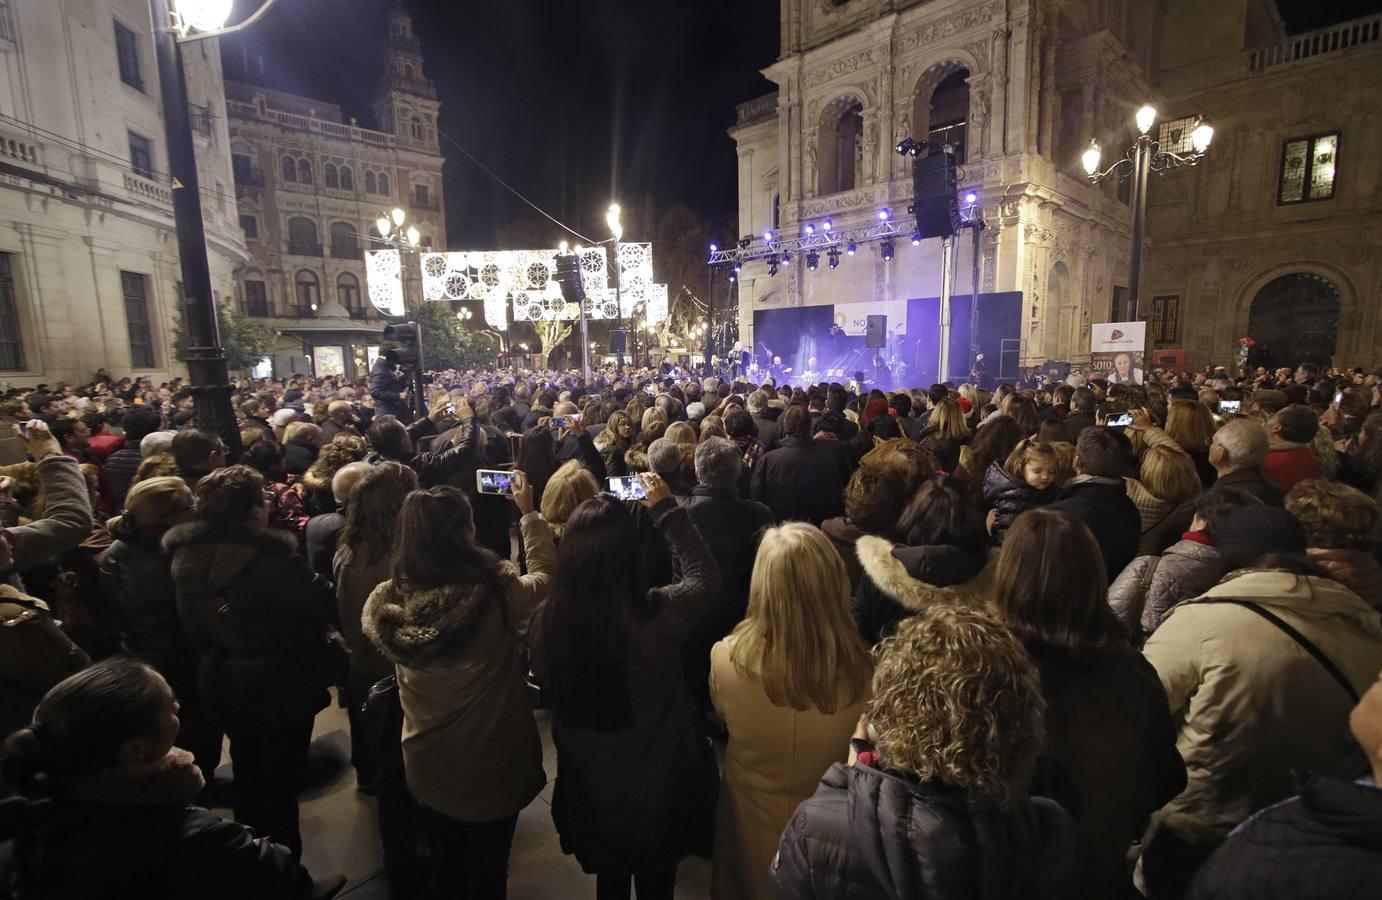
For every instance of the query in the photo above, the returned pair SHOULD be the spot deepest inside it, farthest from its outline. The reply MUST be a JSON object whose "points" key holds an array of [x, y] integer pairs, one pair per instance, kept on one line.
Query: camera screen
{"points": [[493, 481], [627, 488], [1230, 406]]}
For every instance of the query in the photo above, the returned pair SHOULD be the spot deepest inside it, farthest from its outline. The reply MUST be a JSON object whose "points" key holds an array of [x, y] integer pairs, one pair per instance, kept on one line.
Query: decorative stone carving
{"points": [[870, 145], [839, 68], [837, 203], [936, 31]]}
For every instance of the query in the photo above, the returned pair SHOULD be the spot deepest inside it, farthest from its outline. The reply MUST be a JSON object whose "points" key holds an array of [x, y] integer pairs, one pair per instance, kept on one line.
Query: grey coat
{"points": [[1149, 586]]}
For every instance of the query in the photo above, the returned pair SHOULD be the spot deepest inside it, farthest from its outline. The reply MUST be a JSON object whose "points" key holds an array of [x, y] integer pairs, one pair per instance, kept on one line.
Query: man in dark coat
{"points": [[387, 385], [1098, 496], [768, 431], [122, 465], [340, 419], [323, 530], [1081, 413], [256, 414], [799, 480], [257, 617], [731, 527]]}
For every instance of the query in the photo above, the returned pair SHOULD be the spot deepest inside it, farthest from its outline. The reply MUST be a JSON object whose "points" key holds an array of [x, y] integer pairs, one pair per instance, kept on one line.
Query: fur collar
{"points": [[890, 575], [420, 629], [213, 556], [173, 780]]}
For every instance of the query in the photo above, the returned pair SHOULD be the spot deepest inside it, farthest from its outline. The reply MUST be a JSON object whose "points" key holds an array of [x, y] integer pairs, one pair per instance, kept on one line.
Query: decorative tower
{"points": [[406, 103]]}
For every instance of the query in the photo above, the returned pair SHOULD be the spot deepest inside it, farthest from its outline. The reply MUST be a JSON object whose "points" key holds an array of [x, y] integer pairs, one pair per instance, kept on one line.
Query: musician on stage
{"points": [[811, 375], [881, 376]]}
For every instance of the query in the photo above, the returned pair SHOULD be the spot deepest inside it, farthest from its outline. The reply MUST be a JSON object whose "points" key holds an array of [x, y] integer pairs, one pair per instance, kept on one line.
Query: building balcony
{"points": [[301, 248], [428, 203], [346, 251], [1314, 44], [415, 86], [760, 109], [147, 189]]}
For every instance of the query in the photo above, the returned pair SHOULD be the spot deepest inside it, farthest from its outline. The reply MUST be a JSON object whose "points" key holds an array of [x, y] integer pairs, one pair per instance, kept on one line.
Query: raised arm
{"points": [[66, 518], [700, 575]]}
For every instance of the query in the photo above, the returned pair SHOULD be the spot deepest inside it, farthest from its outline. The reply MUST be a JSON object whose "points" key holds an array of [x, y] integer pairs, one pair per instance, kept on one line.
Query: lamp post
{"points": [[616, 230], [194, 20], [1143, 158]]}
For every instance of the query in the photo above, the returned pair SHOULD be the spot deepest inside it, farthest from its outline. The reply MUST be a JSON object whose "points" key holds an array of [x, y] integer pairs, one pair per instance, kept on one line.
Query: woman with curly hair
{"points": [[936, 803], [1110, 756], [345, 449]]}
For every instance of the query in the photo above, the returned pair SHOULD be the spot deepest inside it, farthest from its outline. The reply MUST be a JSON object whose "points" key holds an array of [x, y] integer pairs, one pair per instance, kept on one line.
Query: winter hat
{"points": [[156, 442], [1246, 533], [283, 417], [965, 405]]}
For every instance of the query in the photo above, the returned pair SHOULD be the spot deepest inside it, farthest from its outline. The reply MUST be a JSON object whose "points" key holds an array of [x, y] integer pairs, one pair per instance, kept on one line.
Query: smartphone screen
{"points": [[494, 481], [1230, 406], [628, 487], [1122, 420]]}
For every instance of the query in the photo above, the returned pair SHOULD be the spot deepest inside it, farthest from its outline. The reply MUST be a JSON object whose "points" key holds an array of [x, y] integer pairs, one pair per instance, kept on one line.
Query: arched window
{"points": [[348, 294], [1058, 315], [416, 127], [347, 179], [307, 293], [345, 241], [304, 171], [302, 237], [408, 73], [329, 174], [371, 186], [290, 169], [942, 114], [383, 184], [840, 154]]}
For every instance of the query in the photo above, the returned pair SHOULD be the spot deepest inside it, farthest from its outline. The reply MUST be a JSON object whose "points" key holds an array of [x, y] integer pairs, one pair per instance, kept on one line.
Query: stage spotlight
{"points": [[887, 248], [910, 147], [916, 238], [813, 261], [809, 229], [768, 236], [745, 242], [786, 259], [883, 215], [714, 248], [828, 224], [851, 249], [738, 267], [731, 276], [971, 198], [772, 270], [834, 255]]}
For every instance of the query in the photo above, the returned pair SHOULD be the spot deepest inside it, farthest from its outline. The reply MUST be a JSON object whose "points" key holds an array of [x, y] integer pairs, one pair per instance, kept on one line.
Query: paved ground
{"points": [[339, 833]]}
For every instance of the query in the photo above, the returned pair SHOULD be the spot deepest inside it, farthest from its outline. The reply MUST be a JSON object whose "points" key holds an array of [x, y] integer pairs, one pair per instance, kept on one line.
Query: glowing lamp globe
{"points": [[1090, 158], [382, 223], [1201, 135], [1146, 117], [399, 217], [413, 235], [205, 15]]}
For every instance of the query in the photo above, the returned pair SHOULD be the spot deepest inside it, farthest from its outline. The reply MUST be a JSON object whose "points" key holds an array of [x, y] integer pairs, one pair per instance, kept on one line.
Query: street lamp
{"points": [[616, 230], [1141, 159], [194, 20]]}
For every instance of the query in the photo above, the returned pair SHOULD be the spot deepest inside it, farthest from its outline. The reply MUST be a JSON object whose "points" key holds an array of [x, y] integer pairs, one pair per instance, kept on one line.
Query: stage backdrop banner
{"points": [[853, 318], [1116, 350]]}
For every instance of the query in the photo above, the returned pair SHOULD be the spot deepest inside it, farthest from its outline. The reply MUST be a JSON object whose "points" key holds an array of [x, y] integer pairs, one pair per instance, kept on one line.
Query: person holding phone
{"points": [[451, 618], [636, 779]]}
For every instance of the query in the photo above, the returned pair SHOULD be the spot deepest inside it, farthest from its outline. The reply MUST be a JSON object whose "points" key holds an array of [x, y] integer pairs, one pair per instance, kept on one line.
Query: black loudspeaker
{"points": [[568, 278], [876, 332], [405, 342], [936, 207], [618, 341]]}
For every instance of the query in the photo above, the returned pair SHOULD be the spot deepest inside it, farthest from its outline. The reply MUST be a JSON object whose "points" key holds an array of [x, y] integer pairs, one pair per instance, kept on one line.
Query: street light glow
{"points": [[399, 217], [382, 223], [616, 228], [1091, 157], [1202, 134], [413, 235], [205, 15], [1146, 117]]}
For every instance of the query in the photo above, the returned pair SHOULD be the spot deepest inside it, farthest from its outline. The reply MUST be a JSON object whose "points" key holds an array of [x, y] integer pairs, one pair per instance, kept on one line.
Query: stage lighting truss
{"points": [[779, 250], [519, 282]]}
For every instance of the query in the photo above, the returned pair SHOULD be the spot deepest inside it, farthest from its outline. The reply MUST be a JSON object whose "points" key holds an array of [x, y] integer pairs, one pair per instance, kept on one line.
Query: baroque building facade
{"points": [[310, 184], [1280, 217], [89, 267]]}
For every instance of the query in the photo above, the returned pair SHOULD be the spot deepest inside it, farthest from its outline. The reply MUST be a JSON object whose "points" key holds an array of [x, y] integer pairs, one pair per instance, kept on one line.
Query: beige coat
{"points": [[1250, 704], [470, 746], [774, 762]]}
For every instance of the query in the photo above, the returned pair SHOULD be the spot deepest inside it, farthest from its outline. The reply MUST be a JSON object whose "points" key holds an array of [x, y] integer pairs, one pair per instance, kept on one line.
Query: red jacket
{"points": [[1285, 466]]}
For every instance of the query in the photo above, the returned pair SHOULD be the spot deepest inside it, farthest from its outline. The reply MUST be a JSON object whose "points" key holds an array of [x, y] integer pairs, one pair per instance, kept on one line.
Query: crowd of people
{"points": [[1086, 640]]}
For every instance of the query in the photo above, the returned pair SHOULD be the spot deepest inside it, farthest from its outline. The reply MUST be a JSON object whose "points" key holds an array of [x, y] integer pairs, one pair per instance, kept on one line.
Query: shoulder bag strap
{"points": [[1305, 643]]}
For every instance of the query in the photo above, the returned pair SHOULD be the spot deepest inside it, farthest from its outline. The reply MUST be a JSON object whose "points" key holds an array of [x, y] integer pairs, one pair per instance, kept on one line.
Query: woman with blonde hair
{"points": [[713, 426], [681, 433], [937, 804], [569, 487], [1191, 425], [790, 683], [614, 441], [945, 431], [1165, 480]]}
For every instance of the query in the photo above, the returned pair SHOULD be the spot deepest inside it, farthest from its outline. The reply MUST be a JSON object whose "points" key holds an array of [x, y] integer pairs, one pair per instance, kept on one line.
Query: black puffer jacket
{"points": [[1103, 505], [137, 576], [298, 456], [900, 581], [257, 617], [1012, 496], [1325, 844], [869, 833]]}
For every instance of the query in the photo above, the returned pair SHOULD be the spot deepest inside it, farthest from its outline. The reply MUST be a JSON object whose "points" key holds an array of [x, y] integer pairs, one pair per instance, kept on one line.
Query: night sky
{"points": [[572, 103]]}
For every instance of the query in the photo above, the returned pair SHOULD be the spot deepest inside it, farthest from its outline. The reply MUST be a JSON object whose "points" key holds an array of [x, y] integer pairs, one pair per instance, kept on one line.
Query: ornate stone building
{"points": [[88, 257], [1289, 188], [310, 185]]}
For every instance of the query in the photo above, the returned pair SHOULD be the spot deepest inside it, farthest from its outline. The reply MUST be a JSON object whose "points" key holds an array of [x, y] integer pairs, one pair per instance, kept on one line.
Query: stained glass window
{"points": [[1308, 167]]}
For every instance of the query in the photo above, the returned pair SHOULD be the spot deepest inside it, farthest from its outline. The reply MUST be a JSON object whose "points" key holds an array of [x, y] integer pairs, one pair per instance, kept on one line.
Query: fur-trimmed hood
{"points": [[215, 555], [422, 629], [919, 577]]}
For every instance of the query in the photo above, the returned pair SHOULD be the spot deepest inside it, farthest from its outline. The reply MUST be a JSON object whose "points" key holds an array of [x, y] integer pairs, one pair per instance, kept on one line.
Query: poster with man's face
{"points": [[1116, 352]]}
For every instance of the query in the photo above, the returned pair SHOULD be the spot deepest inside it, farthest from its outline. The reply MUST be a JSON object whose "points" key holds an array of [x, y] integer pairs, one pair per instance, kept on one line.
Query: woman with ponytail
{"points": [[118, 821]]}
